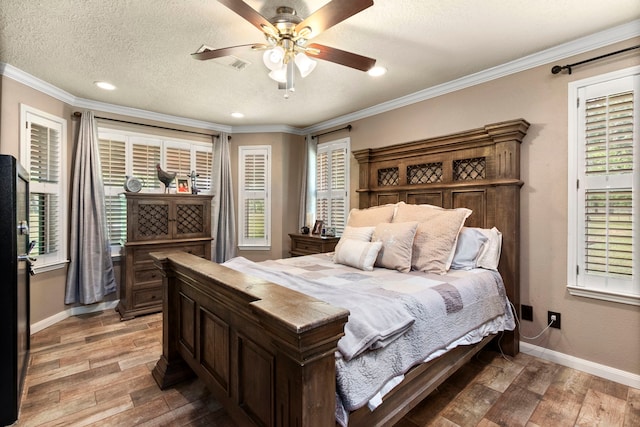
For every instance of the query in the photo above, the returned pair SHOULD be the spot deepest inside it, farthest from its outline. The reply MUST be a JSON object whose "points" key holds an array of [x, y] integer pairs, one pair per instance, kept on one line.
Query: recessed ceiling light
{"points": [[105, 85], [237, 115], [377, 71]]}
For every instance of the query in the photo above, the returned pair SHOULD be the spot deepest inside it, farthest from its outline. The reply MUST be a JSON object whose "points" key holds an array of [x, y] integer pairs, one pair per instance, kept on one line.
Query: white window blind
{"points": [[604, 252], [332, 181], [43, 142], [254, 203], [113, 154], [125, 153]]}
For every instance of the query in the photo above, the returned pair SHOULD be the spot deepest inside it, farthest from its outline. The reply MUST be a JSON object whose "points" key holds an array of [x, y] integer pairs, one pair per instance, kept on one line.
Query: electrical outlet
{"points": [[526, 312], [556, 322]]}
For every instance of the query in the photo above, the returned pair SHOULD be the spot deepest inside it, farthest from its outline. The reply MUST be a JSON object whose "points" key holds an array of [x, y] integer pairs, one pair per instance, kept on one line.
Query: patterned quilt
{"points": [[414, 314]]}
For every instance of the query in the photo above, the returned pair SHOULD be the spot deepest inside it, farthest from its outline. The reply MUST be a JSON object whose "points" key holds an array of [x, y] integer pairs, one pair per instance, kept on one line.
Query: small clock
{"points": [[132, 184]]}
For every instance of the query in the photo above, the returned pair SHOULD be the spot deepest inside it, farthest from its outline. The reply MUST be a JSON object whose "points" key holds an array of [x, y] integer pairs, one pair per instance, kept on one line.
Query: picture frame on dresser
{"points": [[183, 186], [317, 227]]}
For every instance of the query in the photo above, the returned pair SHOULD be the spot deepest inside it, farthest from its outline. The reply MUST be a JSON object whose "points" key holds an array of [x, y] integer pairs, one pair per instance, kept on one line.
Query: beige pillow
{"points": [[370, 217], [490, 254], [357, 233], [435, 242], [397, 243], [357, 254]]}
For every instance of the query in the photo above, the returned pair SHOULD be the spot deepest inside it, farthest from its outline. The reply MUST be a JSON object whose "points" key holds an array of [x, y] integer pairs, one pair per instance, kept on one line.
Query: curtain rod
{"points": [[348, 127], [79, 114], [557, 68]]}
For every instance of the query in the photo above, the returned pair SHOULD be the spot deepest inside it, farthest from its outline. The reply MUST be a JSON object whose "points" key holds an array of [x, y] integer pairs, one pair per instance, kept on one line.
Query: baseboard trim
{"points": [[607, 372], [72, 311]]}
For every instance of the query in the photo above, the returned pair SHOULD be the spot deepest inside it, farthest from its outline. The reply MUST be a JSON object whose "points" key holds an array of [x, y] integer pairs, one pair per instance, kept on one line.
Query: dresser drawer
{"points": [[150, 296], [306, 246], [144, 274]]}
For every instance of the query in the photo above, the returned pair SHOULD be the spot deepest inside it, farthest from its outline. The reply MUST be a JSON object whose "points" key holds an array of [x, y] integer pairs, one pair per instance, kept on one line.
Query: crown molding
{"points": [[563, 51], [560, 52]]}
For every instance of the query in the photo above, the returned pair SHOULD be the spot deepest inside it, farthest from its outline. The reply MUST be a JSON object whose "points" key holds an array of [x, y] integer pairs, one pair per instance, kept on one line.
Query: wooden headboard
{"points": [[478, 169]]}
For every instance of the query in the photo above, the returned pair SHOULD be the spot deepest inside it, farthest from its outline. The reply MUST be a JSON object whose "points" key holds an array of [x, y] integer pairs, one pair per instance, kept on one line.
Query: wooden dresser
{"points": [[157, 223], [308, 244]]}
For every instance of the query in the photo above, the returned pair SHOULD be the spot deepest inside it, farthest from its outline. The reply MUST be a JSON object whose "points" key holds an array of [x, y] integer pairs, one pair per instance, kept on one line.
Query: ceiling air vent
{"points": [[233, 62]]}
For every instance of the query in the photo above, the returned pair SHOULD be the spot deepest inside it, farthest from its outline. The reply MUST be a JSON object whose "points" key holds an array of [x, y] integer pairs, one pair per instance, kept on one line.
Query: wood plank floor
{"points": [[96, 370]]}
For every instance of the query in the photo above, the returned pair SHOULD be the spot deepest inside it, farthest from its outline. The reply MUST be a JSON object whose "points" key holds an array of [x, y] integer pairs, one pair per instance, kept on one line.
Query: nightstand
{"points": [[308, 244]]}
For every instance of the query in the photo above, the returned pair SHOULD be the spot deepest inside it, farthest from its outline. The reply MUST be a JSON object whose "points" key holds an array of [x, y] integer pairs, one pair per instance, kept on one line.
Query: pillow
{"points": [[470, 242], [370, 217], [357, 254], [489, 257], [357, 233], [435, 242], [397, 243]]}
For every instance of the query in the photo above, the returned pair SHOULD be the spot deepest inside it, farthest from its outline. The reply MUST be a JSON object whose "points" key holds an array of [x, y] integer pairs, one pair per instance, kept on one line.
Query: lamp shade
{"points": [[305, 64], [272, 58], [279, 74]]}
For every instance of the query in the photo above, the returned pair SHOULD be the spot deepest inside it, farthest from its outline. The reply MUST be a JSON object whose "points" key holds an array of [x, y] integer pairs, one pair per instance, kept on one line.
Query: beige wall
{"points": [[602, 332], [286, 152], [598, 331]]}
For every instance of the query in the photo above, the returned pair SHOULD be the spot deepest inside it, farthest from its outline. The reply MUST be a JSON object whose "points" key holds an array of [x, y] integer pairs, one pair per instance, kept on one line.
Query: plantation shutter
{"points": [[144, 158], [608, 185], [178, 160], [254, 196], [113, 161], [44, 167], [332, 180], [204, 162]]}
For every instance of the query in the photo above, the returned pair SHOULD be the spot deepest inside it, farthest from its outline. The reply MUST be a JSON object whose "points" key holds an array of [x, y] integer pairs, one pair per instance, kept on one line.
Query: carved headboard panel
{"points": [[478, 169]]}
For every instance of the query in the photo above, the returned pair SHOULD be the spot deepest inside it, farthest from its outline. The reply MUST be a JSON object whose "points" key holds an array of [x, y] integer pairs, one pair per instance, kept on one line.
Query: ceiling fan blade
{"points": [[251, 15], [205, 53], [331, 14], [341, 57]]}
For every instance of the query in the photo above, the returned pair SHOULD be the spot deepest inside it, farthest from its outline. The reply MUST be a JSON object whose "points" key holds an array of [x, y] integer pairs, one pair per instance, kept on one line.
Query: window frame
{"points": [[150, 182], [617, 291], [332, 194], [29, 115], [244, 242]]}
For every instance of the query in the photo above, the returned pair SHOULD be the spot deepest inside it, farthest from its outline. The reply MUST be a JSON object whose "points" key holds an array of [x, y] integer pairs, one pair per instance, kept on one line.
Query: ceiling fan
{"points": [[288, 35]]}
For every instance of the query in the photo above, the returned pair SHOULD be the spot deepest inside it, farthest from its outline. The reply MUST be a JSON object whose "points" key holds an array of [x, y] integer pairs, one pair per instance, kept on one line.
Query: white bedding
{"points": [[460, 307]]}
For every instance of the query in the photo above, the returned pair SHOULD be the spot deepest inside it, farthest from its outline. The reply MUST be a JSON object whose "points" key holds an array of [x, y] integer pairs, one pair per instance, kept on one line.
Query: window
{"points": [[124, 153], [604, 176], [43, 154], [332, 182], [254, 213]]}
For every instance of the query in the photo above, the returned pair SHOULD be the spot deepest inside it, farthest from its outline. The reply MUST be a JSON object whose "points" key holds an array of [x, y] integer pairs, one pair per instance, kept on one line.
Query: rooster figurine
{"points": [[165, 177]]}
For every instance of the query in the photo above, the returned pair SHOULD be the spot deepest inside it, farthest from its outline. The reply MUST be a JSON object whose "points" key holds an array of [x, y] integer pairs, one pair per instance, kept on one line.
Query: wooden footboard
{"points": [[264, 351]]}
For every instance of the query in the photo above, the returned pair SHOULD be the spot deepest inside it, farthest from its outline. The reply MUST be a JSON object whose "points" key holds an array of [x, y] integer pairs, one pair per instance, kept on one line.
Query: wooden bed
{"points": [[267, 352]]}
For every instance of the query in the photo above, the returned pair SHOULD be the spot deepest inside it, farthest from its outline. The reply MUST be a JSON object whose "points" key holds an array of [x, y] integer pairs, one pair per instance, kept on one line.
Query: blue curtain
{"points": [[90, 276]]}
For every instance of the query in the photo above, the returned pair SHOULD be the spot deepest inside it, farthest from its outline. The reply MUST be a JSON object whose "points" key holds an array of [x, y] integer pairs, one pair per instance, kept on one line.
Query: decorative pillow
{"points": [[470, 242], [436, 236], [357, 254], [397, 243], [489, 257], [357, 233], [370, 217]]}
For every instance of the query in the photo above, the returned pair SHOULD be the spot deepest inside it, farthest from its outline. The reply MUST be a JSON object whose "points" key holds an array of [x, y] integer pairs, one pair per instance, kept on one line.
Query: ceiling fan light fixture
{"points": [[279, 74], [273, 58], [305, 64]]}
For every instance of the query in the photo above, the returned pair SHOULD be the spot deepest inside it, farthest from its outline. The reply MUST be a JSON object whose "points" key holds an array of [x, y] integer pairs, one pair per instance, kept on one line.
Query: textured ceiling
{"points": [[144, 46]]}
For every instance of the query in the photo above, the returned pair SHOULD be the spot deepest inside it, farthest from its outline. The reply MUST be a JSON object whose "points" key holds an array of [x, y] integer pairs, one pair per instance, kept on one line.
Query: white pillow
{"points": [[490, 255], [357, 233], [471, 242], [355, 253]]}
